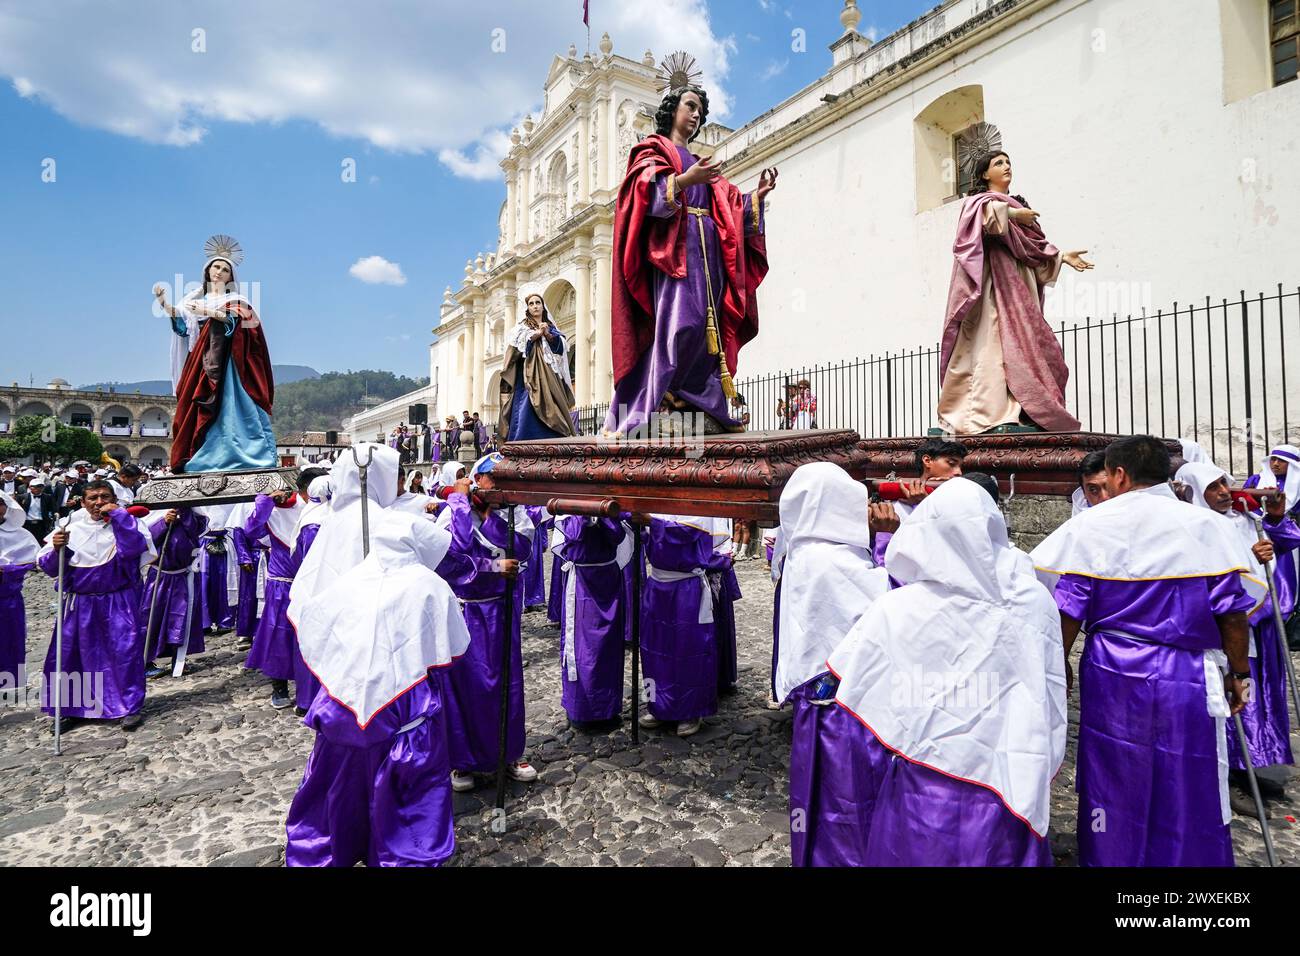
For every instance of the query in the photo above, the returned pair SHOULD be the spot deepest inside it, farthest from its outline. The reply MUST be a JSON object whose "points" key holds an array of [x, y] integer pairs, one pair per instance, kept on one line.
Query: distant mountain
{"points": [[284, 374], [323, 402]]}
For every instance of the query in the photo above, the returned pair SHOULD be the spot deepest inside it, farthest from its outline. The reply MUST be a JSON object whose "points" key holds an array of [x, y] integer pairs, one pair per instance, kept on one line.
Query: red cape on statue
{"points": [[198, 397], [642, 241]]}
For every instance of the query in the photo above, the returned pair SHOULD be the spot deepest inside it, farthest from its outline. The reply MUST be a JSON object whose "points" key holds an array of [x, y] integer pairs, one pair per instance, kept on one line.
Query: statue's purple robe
{"points": [[471, 691], [247, 552], [679, 654], [275, 645], [102, 637], [679, 361], [533, 577], [305, 684], [1147, 770], [594, 690], [177, 594], [214, 598], [379, 796], [13, 621]]}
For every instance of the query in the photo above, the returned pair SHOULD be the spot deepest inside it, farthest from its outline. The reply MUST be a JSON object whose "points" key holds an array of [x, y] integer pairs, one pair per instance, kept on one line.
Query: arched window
{"points": [[951, 128]]}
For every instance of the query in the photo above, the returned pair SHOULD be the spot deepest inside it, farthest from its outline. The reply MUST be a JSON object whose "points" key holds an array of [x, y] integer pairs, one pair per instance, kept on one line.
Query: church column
{"points": [[582, 322], [603, 373], [476, 382], [467, 367], [523, 226], [584, 150], [511, 194]]}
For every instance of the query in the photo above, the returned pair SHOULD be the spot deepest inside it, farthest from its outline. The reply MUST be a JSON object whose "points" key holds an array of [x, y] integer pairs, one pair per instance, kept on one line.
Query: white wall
{"points": [[1113, 113]]}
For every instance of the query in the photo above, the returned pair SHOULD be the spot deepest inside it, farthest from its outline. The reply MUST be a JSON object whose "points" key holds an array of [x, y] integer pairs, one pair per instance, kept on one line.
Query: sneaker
{"points": [[462, 781], [244, 644], [132, 721], [299, 711], [157, 670], [280, 694], [649, 721], [688, 727], [523, 771], [773, 703]]}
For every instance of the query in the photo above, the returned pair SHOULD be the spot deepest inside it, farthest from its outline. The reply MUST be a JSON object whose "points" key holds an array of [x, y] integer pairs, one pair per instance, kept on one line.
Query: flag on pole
{"points": [[586, 4]]}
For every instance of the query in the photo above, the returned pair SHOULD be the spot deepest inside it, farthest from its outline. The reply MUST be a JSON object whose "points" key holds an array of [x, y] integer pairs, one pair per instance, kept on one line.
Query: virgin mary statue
{"points": [[221, 372]]}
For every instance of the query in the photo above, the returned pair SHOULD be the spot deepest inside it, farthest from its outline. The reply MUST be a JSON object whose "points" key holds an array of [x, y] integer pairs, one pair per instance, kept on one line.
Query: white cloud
{"points": [[402, 75], [774, 69], [486, 161], [376, 270]]}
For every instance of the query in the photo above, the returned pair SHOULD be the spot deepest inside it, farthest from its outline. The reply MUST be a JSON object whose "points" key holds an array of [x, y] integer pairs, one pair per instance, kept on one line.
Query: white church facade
{"points": [[1163, 136]]}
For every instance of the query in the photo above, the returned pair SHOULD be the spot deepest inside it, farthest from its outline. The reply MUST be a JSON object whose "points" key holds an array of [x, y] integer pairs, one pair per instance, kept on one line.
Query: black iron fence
{"points": [[1215, 372]]}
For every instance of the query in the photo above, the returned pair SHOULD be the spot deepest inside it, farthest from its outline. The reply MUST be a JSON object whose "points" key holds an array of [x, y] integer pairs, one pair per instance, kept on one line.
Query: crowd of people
{"points": [[905, 751], [390, 648], [928, 660], [415, 443]]}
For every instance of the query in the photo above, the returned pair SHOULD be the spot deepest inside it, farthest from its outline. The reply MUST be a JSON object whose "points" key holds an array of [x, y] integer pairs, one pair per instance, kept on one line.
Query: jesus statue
{"points": [[689, 254]]}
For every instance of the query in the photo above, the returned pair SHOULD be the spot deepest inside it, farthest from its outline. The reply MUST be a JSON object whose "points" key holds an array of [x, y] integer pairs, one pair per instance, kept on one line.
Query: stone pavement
{"points": [[209, 776]]}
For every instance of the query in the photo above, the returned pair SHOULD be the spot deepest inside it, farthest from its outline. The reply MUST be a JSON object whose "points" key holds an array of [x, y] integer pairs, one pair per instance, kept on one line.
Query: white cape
{"points": [[1144, 535], [373, 634], [338, 547], [962, 670], [17, 544], [829, 579]]}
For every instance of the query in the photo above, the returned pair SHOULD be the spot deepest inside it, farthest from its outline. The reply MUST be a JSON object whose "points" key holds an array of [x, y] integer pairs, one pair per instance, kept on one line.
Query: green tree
{"points": [[320, 404], [47, 439]]}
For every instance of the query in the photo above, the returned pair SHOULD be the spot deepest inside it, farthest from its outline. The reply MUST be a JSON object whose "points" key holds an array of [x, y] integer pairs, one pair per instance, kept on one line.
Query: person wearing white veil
{"points": [[828, 581], [477, 568], [1282, 470], [957, 684], [17, 556], [377, 785], [338, 545], [411, 502], [1264, 718]]}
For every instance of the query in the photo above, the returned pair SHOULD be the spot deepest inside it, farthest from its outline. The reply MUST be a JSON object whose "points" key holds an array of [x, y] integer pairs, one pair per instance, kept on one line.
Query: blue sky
{"points": [[156, 146]]}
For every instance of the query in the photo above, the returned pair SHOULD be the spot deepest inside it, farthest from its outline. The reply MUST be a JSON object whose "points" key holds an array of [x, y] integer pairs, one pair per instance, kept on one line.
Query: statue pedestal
{"points": [[215, 487], [731, 476], [1041, 463]]}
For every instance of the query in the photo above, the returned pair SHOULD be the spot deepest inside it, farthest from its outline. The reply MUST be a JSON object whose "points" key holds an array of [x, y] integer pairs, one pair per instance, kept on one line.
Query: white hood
{"points": [[962, 669], [829, 579]]}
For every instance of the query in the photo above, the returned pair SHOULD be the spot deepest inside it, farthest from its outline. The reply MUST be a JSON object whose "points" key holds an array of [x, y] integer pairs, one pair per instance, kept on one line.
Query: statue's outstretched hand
{"points": [[766, 182], [1076, 261]]}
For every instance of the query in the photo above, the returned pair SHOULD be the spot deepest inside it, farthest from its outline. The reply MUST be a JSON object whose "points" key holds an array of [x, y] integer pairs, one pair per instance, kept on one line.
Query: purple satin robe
{"points": [[1147, 770], [103, 643], [13, 623], [596, 692], [679, 655], [379, 796], [246, 553], [214, 599], [678, 360], [305, 684], [533, 577], [471, 687], [173, 608], [275, 645]]}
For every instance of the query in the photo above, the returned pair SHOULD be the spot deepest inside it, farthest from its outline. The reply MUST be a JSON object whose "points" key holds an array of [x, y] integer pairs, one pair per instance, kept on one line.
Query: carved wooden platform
{"points": [[736, 476], [1044, 463], [214, 487]]}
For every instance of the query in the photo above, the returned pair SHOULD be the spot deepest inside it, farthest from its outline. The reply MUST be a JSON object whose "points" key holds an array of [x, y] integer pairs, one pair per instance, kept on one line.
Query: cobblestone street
{"points": [[209, 776]]}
